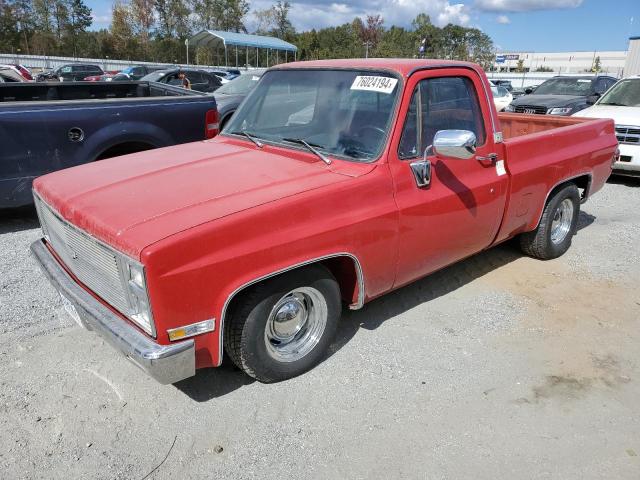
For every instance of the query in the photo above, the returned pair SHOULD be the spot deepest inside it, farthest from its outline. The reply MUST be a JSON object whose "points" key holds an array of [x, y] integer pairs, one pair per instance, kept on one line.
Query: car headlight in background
{"points": [[509, 108], [560, 111], [136, 287]]}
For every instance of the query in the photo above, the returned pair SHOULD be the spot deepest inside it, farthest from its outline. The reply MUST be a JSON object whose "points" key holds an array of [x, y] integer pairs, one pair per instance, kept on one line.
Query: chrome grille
{"points": [[95, 265], [531, 109], [628, 134]]}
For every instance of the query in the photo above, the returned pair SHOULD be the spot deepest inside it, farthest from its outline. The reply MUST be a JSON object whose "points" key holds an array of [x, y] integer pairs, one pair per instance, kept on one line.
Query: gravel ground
{"points": [[498, 367]]}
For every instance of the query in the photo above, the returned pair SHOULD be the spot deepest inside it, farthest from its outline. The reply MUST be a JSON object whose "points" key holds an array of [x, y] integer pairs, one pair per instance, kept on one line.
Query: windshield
{"points": [[625, 94], [565, 86], [240, 85], [345, 113]]}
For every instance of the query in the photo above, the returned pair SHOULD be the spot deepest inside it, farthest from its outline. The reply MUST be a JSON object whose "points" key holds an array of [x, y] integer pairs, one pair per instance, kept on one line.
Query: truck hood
{"points": [[620, 115], [548, 101], [133, 201]]}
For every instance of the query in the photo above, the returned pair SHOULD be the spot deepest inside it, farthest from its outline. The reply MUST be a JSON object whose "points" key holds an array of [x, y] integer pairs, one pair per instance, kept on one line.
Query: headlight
{"points": [[136, 287], [560, 111], [509, 108]]}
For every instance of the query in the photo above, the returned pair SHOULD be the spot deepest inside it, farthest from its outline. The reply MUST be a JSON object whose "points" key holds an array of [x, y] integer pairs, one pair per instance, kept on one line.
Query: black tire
{"points": [[538, 243], [246, 323]]}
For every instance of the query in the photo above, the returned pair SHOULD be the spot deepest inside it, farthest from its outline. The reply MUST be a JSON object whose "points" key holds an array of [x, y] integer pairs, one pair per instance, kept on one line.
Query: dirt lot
{"points": [[498, 367]]}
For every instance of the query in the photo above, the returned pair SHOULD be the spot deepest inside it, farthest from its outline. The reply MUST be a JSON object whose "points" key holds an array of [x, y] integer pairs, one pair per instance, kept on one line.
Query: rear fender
{"points": [[125, 132]]}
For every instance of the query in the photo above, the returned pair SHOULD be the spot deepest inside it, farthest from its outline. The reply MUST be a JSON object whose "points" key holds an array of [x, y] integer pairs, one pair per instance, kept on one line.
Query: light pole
{"points": [[186, 42], [367, 44]]}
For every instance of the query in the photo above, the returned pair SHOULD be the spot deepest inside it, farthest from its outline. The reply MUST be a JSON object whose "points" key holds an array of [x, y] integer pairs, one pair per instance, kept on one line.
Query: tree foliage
{"points": [[155, 30]]}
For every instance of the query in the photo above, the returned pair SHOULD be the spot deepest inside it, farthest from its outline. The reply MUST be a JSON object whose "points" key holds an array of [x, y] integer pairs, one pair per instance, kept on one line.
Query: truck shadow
{"points": [[212, 383], [18, 219], [437, 284], [624, 180]]}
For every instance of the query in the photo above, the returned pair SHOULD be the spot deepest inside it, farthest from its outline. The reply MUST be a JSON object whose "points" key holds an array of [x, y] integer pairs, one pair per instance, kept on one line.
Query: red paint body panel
{"points": [[208, 218]]}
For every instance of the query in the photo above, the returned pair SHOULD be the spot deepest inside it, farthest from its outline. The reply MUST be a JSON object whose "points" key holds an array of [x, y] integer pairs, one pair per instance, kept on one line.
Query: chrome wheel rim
{"points": [[296, 324], [561, 223]]}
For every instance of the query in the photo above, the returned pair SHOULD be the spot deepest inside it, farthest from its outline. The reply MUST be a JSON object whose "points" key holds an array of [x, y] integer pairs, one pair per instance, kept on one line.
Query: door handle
{"points": [[421, 172], [492, 157]]}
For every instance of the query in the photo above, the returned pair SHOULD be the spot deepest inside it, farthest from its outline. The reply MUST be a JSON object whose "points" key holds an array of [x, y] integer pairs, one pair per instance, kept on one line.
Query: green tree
{"points": [[79, 21]]}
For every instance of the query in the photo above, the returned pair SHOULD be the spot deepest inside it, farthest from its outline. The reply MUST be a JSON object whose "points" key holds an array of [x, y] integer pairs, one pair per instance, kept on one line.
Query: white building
{"points": [[612, 62], [632, 65]]}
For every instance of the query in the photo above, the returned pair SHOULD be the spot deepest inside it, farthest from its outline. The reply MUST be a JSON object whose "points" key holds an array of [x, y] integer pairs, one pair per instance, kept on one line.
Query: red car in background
{"points": [[23, 71], [107, 76]]}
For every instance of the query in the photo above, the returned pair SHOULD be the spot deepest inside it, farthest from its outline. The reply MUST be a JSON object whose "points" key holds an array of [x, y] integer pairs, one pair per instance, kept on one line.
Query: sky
{"points": [[513, 25]]}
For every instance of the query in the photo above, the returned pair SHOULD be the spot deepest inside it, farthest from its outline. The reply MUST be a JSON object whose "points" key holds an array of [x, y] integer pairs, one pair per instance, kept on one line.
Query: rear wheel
{"points": [[283, 327], [557, 226]]}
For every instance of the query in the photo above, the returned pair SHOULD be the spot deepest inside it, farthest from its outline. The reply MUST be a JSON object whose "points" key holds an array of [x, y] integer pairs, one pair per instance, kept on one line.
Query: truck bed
{"points": [[542, 151], [49, 92], [518, 124]]}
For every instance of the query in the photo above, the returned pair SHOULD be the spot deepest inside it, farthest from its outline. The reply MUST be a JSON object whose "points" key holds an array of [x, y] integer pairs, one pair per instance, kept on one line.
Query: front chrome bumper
{"points": [[165, 363]]}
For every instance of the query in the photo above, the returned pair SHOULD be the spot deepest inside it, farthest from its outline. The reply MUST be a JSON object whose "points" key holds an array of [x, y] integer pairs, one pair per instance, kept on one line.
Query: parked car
{"points": [[231, 94], [200, 80], [562, 95], [136, 72], [622, 104], [503, 83], [251, 242], [106, 77], [47, 75], [76, 72], [10, 75], [518, 92], [50, 126], [233, 73], [23, 71], [501, 97], [223, 75]]}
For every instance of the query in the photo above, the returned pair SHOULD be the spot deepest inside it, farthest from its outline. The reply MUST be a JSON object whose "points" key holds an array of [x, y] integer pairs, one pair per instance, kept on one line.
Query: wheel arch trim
{"points": [[355, 306], [589, 175]]}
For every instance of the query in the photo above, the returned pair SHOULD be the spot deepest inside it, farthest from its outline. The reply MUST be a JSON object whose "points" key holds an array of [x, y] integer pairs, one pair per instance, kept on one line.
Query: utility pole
{"points": [[367, 44], [186, 42]]}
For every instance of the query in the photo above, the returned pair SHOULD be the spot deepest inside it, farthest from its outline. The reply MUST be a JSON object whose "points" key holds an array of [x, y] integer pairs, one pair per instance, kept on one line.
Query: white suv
{"points": [[622, 103]]}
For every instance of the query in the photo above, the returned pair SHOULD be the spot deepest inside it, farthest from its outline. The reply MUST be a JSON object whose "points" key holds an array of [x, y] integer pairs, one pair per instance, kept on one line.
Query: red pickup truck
{"points": [[335, 182]]}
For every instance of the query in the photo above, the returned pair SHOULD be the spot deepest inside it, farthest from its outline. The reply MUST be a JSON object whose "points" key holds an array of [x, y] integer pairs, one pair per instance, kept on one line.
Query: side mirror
{"points": [[459, 144], [528, 90]]}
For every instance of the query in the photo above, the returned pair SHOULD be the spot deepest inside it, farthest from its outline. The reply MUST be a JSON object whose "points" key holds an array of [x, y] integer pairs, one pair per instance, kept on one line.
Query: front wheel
{"points": [[283, 327], [557, 226]]}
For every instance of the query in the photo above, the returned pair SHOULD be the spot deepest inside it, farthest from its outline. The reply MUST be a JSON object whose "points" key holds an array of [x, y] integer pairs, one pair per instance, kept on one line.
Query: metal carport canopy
{"points": [[208, 38]]}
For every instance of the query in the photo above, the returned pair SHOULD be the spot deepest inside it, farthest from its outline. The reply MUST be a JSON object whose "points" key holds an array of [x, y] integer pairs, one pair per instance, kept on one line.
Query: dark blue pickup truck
{"points": [[51, 126]]}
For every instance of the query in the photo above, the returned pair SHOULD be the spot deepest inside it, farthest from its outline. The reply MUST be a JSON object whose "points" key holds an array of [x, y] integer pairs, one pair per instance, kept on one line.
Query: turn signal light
{"points": [[191, 330]]}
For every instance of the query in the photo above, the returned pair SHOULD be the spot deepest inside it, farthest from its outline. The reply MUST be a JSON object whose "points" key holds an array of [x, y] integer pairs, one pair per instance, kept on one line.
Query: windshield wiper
{"points": [[310, 147], [258, 143]]}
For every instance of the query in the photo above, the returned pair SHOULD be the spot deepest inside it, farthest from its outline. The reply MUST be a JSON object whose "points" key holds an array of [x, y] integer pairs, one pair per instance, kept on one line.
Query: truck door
{"points": [[459, 212]]}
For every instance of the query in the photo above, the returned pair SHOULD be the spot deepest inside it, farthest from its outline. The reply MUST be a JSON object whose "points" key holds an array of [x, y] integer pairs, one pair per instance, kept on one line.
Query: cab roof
{"points": [[402, 66]]}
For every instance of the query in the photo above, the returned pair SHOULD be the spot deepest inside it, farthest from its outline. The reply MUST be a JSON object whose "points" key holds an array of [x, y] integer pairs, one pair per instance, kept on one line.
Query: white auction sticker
{"points": [[374, 84], [500, 168]]}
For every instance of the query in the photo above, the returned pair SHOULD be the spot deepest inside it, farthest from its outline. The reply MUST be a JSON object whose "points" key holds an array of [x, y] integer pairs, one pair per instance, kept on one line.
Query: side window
{"points": [[450, 103], [195, 77], [446, 103]]}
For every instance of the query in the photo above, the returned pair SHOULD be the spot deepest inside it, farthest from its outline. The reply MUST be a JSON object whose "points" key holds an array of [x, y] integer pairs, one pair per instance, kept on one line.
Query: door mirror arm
{"points": [[421, 169]]}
